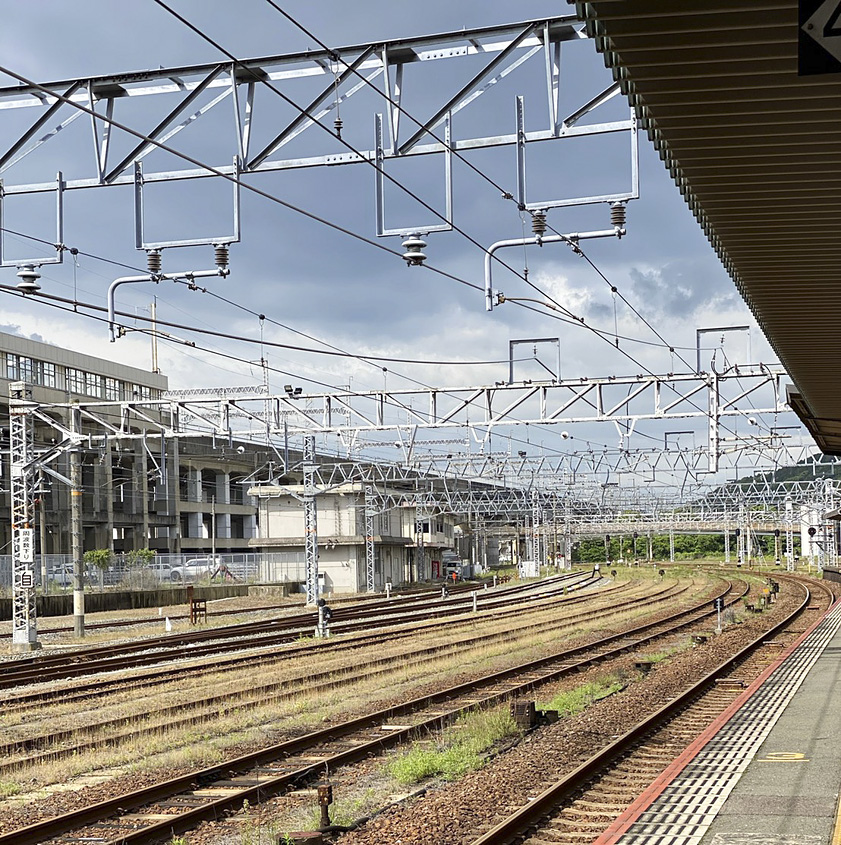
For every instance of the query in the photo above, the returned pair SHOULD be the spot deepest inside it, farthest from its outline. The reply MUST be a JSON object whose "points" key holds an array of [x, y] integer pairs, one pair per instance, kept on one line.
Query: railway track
{"points": [[45, 632], [580, 807], [164, 809], [223, 640], [60, 744]]}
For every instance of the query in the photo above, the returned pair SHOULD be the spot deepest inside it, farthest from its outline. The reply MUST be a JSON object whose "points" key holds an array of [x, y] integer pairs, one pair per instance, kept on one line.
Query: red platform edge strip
{"points": [[633, 811]]}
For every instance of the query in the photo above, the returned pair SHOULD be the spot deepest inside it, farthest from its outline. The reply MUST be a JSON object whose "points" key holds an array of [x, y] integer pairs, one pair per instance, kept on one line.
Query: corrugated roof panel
{"points": [[754, 148]]}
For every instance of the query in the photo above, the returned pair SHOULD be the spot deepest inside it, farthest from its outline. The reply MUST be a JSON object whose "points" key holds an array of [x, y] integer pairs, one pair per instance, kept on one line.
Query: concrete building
{"points": [[187, 497], [406, 549]]}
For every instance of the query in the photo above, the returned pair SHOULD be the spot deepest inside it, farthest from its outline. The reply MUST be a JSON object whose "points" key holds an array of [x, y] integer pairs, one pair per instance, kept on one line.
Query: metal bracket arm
{"points": [[154, 277], [572, 239]]}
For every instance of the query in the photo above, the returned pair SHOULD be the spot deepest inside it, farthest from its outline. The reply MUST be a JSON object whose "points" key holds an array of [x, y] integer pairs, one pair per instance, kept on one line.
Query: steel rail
{"points": [[350, 641], [39, 832], [546, 803], [279, 690], [286, 629]]}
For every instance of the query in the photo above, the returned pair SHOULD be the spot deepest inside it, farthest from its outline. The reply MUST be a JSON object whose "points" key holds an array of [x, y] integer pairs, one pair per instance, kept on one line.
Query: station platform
{"points": [[767, 771]]}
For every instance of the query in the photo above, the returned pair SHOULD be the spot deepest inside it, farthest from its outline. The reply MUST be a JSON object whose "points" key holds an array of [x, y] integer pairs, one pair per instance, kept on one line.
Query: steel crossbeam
{"points": [[187, 94], [627, 399]]}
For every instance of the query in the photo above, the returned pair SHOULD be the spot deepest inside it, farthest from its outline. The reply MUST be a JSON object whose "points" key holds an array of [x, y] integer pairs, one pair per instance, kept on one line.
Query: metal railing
{"points": [[257, 567]]}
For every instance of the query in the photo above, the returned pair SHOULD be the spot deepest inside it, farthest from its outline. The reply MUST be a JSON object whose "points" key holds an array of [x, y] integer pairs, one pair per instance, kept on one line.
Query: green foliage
{"points": [[137, 558], [574, 701], [100, 558], [9, 787], [459, 750], [687, 547]]}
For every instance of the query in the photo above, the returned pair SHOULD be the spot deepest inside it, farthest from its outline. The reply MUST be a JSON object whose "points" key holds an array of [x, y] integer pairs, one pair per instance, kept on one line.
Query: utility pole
{"points": [[76, 526], [213, 528], [22, 447]]}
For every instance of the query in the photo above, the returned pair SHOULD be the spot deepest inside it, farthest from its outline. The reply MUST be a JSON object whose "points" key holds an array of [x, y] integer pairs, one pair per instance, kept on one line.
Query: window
{"points": [[19, 368], [12, 367], [74, 380], [25, 366], [45, 373], [93, 384], [112, 388]]}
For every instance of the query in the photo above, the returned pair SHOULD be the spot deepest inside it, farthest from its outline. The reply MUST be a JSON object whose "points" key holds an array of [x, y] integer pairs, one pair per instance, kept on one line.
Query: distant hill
{"points": [[819, 466]]}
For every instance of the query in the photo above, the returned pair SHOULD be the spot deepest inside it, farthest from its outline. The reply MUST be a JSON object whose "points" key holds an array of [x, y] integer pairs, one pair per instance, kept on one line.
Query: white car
{"points": [[194, 569], [160, 571]]}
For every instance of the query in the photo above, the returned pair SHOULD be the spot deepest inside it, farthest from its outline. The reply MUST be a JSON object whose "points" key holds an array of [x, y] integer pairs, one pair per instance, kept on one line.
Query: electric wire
{"points": [[63, 304], [505, 194], [293, 375], [283, 203], [303, 111], [575, 321]]}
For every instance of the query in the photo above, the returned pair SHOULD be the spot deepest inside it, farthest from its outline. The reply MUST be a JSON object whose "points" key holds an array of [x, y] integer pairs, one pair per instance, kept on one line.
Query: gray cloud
{"points": [[680, 287]]}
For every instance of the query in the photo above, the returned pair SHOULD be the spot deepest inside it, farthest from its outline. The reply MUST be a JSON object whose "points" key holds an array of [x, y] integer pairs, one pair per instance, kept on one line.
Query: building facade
{"points": [[407, 547], [178, 496]]}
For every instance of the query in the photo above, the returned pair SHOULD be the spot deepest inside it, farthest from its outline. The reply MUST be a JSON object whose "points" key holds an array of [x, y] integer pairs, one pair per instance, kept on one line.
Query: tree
{"points": [[137, 558], [100, 558]]}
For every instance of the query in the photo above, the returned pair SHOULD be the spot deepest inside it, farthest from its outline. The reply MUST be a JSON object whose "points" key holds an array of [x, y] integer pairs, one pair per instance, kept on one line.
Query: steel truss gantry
{"points": [[227, 418], [257, 93], [749, 391]]}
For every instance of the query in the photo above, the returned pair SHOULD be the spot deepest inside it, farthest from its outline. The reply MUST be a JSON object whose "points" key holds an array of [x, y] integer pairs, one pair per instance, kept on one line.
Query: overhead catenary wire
{"points": [[504, 193], [66, 305], [273, 198], [215, 171], [303, 111], [188, 328], [246, 309]]}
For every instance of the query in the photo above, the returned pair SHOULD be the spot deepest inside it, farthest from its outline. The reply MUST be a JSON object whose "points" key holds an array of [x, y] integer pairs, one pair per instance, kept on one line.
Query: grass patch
{"points": [[8, 788], [580, 698], [458, 749], [346, 812]]}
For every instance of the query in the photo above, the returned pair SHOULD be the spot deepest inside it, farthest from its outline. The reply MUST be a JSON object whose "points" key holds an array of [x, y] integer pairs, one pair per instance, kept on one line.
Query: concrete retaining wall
{"points": [[62, 605]]}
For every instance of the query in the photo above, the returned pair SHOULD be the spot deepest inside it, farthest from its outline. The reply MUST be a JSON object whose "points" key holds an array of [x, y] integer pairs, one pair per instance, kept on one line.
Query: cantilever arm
{"points": [[571, 238], [153, 277]]}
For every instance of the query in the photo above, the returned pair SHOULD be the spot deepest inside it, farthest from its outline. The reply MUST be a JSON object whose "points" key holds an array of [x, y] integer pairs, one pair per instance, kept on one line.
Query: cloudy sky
{"points": [[317, 286]]}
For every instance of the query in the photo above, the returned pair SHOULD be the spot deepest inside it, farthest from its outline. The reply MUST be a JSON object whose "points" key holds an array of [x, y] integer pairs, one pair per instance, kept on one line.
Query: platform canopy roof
{"points": [[755, 149]]}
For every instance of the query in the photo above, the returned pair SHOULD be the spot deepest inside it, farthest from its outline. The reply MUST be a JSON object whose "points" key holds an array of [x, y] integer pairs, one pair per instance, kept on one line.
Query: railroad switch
{"points": [[325, 799]]}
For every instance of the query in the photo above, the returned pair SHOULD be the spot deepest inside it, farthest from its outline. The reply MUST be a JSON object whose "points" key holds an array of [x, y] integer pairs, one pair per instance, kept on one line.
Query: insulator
{"points": [[414, 255], [538, 223], [338, 123], [221, 255], [28, 276], [153, 261], [617, 214]]}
